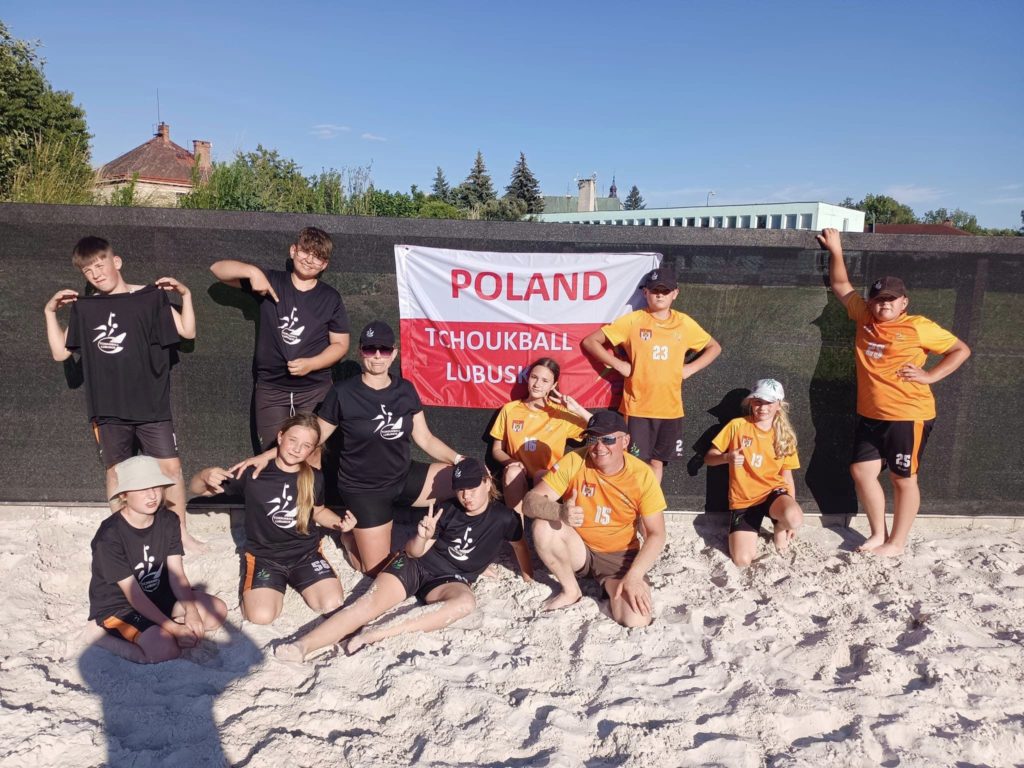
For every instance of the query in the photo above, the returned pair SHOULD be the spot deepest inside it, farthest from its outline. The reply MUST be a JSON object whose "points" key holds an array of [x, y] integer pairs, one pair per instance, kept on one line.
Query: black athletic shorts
{"points": [[130, 624], [375, 508], [660, 439], [417, 579], [899, 444], [262, 572], [750, 519], [272, 407], [117, 441]]}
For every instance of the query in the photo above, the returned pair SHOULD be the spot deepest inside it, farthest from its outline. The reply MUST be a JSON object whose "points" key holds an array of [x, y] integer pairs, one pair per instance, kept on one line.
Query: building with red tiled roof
{"points": [[162, 169], [945, 228]]}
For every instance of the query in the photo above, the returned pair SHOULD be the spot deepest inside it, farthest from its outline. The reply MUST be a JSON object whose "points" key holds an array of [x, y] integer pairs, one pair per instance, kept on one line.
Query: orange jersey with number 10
{"points": [[881, 350], [612, 504], [656, 350]]}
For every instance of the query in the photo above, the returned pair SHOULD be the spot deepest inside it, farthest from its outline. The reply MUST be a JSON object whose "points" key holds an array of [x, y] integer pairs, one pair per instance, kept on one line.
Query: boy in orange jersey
{"points": [[593, 532], [895, 406], [656, 341]]}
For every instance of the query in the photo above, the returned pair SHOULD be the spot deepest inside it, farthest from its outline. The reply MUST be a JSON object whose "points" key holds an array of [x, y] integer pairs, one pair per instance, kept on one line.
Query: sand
{"points": [[819, 657]]}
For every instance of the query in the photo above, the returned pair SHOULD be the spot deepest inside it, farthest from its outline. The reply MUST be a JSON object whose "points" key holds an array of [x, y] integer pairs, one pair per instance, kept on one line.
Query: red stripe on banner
{"points": [[484, 365]]}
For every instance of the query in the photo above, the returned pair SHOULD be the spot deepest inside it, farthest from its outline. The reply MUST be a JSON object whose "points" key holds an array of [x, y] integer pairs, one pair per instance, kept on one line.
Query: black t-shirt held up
{"points": [[120, 550], [125, 340], [270, 512], [467, 544], [376, 429], [296, 326]]}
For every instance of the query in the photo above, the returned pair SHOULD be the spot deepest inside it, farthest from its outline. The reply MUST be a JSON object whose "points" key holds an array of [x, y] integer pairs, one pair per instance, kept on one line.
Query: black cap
{"points": [[662, 277], [606, 423], [469, 473], [377, 334], [887, 288]]}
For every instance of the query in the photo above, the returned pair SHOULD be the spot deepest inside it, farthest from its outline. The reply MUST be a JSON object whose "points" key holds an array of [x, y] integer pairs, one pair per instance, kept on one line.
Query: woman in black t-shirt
{"points": [[379, 415], [452, 546], [284, 515]]}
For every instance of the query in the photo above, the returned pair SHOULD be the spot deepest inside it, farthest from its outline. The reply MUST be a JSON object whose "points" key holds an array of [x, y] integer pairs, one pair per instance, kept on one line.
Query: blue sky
{"points": [[758, 101]]}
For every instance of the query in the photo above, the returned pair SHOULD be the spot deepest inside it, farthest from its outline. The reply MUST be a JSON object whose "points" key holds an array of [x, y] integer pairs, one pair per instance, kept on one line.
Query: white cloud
{"points": [[328, 130], [913, 193], [372, 137]]}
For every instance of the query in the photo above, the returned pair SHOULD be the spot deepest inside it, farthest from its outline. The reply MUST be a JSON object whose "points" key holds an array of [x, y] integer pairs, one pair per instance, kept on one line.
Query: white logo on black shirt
{"points": [[106, 341], [291, 331], [460, 548], [148, 578], [388, 428], [283, 513]]}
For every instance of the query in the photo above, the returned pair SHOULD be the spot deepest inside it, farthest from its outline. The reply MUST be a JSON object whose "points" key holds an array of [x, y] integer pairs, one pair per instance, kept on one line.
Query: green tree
{"points": [[45, 174], [525, 187], [506, 208], [634, 202], [33, 114], [440, 188], [959, 218], [477, 189], [433, 208], [882, 209]]}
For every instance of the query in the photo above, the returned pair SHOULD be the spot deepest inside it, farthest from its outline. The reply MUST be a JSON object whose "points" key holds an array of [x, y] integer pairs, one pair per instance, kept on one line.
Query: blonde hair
{"points": [[785, 443], [305, 483]]}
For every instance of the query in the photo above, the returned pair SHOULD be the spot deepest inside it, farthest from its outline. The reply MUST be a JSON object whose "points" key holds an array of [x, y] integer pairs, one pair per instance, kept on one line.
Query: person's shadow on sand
{"points": [[162, 714]]}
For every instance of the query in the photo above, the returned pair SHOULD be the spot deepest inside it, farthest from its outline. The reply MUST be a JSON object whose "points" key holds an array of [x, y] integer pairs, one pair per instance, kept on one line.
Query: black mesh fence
{"points": [[760, 293]]}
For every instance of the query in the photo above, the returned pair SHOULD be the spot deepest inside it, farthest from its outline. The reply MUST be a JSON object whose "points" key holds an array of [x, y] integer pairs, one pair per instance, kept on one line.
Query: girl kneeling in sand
{"points": [[451, 548], [139, 592], [760, 449], [284, 515], [529, 437]]}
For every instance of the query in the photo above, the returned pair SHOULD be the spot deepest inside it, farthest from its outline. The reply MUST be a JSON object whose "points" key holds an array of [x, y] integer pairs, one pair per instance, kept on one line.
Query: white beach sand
{"points": [[820, 657]]}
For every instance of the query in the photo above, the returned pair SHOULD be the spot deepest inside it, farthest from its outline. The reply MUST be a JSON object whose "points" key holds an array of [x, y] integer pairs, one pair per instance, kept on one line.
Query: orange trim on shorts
{"points": [[96, 432], [123, 628], [250, 571], [916, 455]]}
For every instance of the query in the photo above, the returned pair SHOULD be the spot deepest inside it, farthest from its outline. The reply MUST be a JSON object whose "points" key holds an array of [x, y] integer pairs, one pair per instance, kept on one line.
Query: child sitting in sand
{"points": [[139, 592], [760, 449], [284, 514], [451, 548]]}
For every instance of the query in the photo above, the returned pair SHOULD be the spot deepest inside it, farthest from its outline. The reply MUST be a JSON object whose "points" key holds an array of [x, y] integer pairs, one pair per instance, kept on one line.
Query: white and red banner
{"points": [[472, 322]]}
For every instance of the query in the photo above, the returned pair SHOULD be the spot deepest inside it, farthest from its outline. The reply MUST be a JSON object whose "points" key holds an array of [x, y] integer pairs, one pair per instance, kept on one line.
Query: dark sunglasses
{"points": [[370, 350], [603, 439]]}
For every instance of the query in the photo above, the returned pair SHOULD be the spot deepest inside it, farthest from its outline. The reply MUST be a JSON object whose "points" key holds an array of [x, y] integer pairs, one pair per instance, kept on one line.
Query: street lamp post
{"points": [[707, 200]]}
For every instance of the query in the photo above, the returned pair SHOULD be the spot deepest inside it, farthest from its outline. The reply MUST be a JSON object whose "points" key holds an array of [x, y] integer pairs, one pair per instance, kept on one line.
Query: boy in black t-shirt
{"points": [[451, 548], [124, 334], [139, 593], [303, 330]]}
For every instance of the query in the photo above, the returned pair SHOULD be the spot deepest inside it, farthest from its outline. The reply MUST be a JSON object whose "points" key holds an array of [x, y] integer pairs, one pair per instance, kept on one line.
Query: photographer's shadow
{"points": [[162, 714]]}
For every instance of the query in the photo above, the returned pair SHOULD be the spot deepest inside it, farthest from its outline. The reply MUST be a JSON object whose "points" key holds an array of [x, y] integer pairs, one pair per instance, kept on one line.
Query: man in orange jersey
{"points": [[895, 406], [656, 340], [593, 532]]}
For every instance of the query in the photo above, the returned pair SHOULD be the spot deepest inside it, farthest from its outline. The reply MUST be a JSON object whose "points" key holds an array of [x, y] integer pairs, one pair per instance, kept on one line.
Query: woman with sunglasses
{"points": [[529, 436], [379, 415]]}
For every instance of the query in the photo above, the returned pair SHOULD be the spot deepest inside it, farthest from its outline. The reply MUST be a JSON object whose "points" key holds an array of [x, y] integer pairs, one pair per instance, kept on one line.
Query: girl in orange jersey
{"points": [[529, 437], [760, 449]]}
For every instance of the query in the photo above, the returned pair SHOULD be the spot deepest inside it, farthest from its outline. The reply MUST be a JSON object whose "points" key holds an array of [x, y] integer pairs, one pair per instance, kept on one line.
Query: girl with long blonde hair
{"points": [[760, 449], [285, 518]]}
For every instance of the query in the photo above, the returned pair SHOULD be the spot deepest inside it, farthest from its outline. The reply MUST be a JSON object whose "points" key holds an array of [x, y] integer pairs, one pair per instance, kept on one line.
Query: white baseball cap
{"points": [[768, 390]]}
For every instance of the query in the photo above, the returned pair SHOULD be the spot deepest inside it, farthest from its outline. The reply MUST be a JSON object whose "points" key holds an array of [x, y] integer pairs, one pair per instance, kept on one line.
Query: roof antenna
{"points": [[158, 106]]}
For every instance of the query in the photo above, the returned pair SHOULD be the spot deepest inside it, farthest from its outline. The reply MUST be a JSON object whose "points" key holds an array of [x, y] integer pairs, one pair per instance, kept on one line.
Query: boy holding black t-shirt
{"points": [[303, 330], [124, 334]]}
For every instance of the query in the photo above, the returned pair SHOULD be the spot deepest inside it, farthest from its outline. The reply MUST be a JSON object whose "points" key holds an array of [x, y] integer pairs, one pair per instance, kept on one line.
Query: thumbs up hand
{"points": [[572, 513]]}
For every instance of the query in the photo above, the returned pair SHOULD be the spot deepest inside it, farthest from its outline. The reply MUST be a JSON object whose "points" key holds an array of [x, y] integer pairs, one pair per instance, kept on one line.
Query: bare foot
{"points": [[873, 543], [192, 545], [561, 600], [888, 550], [491, 572], [783, 539], [356, 643], [290, 652]]}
